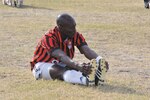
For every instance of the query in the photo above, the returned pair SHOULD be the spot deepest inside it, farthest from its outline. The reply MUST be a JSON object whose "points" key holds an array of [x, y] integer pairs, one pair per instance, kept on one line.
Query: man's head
{"points": [[66, 25]]}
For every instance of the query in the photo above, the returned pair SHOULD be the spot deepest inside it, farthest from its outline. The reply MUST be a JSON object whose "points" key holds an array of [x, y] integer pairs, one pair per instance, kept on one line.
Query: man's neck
{"points": [[63, 37]]}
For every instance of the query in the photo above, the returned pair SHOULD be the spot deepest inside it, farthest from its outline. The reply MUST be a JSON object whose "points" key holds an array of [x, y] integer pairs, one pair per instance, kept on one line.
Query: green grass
{"points": [[117, 30]]}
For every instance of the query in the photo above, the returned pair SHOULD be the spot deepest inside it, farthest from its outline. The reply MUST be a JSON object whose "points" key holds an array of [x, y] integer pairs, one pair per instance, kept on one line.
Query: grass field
{"points": [[118, 30]]}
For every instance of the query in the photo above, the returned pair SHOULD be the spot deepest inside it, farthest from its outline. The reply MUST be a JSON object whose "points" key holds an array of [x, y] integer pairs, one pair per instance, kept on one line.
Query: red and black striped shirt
{"points": [[53, 40]]}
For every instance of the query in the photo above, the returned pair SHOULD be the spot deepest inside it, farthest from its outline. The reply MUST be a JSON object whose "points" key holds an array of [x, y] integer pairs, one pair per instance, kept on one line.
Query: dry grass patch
{"points": [[118, 30]]}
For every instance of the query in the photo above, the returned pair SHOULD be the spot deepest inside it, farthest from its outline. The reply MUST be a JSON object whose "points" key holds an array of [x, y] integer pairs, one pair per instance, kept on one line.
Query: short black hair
{"points": [[65, 19]]}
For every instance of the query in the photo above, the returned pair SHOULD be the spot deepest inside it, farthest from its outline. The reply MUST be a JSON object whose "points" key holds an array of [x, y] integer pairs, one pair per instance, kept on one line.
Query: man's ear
{"points": [[60, 27]]}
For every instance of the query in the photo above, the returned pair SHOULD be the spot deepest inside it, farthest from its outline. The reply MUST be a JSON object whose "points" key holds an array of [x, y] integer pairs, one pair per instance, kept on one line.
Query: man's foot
{"points": [[91, 77], [98, 71], [89, 82]]}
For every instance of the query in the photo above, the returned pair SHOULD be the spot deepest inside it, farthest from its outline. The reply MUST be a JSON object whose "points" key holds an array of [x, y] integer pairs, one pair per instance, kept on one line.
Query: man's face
{"points": [[68, 30]]}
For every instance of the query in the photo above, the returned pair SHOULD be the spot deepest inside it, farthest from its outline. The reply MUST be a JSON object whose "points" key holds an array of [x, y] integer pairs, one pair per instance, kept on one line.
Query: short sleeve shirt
{"points": [[51, 41]]}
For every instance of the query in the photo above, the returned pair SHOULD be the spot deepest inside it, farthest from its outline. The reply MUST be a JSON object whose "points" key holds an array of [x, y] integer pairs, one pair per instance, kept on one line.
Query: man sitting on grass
{"points": [[53, 57]]}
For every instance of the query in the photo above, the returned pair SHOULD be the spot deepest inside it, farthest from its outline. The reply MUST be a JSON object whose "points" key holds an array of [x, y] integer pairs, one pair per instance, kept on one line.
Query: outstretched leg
{"points": [[49, 71], [70, 76]]}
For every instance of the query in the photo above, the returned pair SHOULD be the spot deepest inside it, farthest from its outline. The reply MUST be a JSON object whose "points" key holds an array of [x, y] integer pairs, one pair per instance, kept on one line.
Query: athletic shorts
{"points": [[42, 70]]}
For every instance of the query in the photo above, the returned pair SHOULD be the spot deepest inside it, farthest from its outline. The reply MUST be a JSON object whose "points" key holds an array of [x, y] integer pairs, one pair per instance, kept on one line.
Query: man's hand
{"points": [[86, 69]]}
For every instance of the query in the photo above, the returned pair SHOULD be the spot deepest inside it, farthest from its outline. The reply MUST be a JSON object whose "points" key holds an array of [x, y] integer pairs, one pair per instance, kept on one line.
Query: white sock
{"points": [[73, 76], [97, 59]]}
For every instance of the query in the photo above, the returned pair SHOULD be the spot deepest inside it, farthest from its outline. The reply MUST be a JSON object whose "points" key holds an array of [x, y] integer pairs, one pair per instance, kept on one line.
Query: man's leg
{"points": [[70, 76], [41, 71], [50, 71], [73, 76]]}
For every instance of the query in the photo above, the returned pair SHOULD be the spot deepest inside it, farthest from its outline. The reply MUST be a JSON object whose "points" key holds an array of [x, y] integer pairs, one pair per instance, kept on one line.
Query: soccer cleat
{"points": [[89, 82], [98, 71], [101, 72], [91, 77]]}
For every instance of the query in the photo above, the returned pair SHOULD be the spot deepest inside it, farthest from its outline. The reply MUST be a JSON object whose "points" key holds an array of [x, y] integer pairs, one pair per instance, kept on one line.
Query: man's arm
{"points": [[66, 60], [89, 53]]}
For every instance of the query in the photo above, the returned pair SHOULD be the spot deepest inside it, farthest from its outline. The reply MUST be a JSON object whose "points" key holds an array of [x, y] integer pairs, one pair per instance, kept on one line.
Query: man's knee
{"points": [[41, 71], [57, 72]]}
